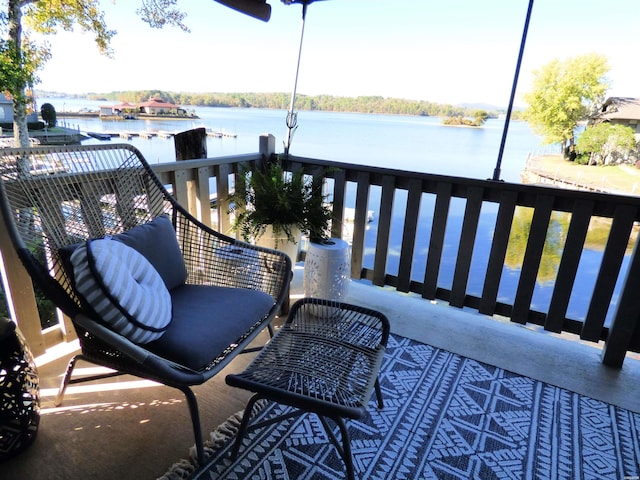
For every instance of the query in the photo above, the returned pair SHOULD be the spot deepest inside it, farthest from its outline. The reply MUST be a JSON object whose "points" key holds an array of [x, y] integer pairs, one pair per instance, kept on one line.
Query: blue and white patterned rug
{"points": [[445, 417]]}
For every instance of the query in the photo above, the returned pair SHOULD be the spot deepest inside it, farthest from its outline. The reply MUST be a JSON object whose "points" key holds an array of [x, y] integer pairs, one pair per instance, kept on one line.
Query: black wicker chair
{"points": [[54, 199]]}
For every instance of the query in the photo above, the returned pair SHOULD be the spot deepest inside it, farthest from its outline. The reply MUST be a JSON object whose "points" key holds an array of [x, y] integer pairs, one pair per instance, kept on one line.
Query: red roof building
{"points": [[157, 106]]}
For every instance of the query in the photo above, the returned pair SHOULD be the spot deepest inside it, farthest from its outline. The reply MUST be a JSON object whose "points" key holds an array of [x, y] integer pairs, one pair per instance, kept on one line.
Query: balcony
{"points": [[442, 287]]}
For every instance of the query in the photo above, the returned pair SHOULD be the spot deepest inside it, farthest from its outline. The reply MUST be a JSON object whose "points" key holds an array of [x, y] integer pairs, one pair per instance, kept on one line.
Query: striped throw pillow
{"points": [[122, 288]]}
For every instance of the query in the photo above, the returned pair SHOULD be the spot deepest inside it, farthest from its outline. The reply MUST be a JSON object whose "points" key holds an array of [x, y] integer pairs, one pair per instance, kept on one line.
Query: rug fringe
{"points": [[218, 438], [184, 468]]}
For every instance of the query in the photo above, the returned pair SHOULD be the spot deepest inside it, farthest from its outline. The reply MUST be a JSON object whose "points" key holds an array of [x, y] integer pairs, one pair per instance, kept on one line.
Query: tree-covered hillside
{"points": [[365, 104]]}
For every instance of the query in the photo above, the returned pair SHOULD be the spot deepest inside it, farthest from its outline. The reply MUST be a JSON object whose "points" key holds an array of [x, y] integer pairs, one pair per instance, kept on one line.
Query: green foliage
{"points": [[281, 100], [563, 94], [18, 67], [582, 159], [4, 310], [596, 239], [50, 16], [479, 117], [270, 196], [48, 113], [160, 13], [519, 237], [20, 58], [605, 143], [46, 309]]}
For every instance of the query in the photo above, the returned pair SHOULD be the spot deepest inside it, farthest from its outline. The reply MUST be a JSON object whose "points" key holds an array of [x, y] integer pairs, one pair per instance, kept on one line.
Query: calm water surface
{"points": [[418, 144]]}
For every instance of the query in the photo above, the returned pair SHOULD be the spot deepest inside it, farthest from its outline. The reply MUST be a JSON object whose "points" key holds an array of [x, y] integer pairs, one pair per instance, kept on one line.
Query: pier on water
{"points": [[128, 135]]}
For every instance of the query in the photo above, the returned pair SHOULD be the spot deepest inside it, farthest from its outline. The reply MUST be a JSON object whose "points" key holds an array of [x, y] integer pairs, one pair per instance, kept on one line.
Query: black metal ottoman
{"points": [[324, 360]]}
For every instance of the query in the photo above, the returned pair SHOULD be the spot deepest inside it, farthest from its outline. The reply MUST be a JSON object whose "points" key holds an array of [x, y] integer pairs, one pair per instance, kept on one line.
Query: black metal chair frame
{"points": [[52, 197], [324, 360]]}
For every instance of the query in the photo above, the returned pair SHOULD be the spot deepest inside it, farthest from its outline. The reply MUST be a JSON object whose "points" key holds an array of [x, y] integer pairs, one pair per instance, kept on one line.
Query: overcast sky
{"points": [[445, 51]]}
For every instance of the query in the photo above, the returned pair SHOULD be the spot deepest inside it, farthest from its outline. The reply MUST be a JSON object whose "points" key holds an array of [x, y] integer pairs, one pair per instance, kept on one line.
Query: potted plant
{"points": [[271, 202]]}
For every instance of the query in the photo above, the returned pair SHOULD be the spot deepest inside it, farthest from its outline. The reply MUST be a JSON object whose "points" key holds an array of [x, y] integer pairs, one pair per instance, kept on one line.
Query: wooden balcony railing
{"points": [[457, 240]]}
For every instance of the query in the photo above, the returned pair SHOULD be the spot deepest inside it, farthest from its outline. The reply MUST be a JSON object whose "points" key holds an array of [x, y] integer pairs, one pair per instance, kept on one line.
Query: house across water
{"points": [[620, 111], [6, 112], [153, 108]]}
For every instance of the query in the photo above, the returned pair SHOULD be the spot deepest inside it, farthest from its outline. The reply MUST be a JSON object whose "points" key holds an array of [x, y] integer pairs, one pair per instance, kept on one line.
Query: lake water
{"points": [[420, 144]]}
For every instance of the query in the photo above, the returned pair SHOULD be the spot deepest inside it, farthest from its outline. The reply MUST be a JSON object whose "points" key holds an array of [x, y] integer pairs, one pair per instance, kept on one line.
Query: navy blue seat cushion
{"points": [[156, 240], [206, 320]]}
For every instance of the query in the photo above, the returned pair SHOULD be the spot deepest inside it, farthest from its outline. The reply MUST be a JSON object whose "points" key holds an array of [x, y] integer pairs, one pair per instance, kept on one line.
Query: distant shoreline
{"points": [[281, 101]]}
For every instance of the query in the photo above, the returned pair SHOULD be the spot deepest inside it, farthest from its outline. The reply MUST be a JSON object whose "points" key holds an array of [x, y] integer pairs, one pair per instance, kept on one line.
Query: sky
{"points": [[444, 51]]}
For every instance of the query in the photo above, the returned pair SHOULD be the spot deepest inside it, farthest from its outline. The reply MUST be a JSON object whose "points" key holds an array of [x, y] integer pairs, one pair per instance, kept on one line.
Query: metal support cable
{"points": [[496, 171], [292, 117]]}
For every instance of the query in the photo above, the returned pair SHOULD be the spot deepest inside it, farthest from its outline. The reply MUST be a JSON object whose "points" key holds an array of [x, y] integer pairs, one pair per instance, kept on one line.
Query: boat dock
{"points": [[147, 135]]}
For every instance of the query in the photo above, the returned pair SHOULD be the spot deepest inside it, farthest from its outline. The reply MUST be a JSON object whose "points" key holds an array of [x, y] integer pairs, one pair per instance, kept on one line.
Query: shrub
{"points": [[48, 114], [606, 143]]}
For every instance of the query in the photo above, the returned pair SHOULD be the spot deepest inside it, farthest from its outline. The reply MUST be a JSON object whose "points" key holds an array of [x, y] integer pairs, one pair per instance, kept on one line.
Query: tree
{"points": [[605, 143], [21, 58], [480, 116], [563, 94]]}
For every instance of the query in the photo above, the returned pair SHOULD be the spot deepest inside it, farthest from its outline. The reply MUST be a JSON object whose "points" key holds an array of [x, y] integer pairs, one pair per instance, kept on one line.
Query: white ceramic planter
{"points": [[281, 242], [327, 270]]}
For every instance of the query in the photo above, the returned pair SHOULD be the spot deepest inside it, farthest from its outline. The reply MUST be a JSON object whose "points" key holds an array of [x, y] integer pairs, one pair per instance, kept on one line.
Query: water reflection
{"points": [[555, 243], [597, 235]]}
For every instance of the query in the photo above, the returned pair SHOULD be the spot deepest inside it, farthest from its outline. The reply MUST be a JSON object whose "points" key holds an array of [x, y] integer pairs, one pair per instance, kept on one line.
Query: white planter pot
{"points": [[281, 242], [327, 270]]}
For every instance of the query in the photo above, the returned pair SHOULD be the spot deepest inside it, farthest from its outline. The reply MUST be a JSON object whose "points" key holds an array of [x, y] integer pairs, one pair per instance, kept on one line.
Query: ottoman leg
{"points": [[379, 394], [246, 417], [345, 449]]}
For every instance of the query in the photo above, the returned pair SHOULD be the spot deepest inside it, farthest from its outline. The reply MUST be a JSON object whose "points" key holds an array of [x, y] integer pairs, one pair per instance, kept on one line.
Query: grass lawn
{"points": [[623, 179]]}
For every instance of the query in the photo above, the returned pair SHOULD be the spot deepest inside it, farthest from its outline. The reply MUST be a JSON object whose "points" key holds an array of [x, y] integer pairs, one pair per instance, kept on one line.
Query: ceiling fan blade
{"points": [[289, 2], [259, 9]]}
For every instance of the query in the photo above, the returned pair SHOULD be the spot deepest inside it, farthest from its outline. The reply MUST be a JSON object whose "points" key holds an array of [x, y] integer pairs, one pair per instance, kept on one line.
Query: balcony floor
{"points": [[126, 428]]}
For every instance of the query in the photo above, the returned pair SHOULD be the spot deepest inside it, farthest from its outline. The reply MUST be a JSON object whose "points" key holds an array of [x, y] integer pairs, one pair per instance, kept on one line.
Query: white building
{"points": [[6, 111]]}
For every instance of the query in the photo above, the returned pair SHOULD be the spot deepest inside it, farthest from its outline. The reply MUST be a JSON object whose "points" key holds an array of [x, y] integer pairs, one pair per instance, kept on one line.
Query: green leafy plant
{"points": [[268, 195], [604, 144]]}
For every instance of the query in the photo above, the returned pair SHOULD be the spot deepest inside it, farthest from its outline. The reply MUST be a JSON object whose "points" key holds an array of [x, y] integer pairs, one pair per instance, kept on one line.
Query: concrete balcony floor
{"points": [[125, 428]]}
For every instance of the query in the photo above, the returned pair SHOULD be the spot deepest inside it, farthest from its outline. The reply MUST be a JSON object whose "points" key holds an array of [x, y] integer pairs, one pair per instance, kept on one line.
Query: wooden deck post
{"points": [[627, 316], [267, 145], [18, 289], [192, 145]]}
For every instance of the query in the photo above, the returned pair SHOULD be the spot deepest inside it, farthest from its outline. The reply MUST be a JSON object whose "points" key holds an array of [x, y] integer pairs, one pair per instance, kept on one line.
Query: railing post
{"points": [[359, 224], [625, 320], [267, 144], [222, 189], [19, 292], [204, 195], [181, 191]]}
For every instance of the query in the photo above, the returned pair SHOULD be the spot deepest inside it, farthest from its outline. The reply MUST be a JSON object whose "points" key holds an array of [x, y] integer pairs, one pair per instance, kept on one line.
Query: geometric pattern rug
{"points": [[445, 417]]}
